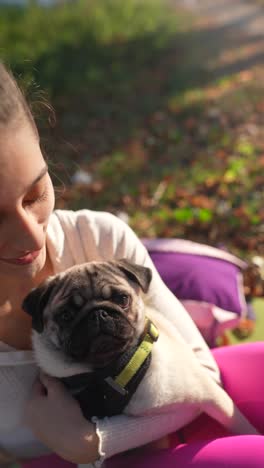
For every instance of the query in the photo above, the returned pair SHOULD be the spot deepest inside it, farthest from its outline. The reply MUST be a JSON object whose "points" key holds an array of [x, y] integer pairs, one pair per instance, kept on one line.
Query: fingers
{"points": [[46, 379], [37, 395], [44, 385], [51, 384], [38, 389]]}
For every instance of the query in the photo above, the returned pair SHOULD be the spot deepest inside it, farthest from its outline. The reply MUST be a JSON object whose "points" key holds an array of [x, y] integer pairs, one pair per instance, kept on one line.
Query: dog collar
{"points": [[107, 391], [140, 355]]}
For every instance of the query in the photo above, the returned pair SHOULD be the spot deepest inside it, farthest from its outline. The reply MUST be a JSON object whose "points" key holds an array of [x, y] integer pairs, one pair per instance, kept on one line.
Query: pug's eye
{"points": [[67, 316], [121, 299], [77, 300]]}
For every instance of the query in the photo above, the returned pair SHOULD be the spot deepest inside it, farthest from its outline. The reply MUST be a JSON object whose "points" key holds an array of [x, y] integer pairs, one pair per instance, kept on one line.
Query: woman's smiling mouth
{"points": [[23, 260]]}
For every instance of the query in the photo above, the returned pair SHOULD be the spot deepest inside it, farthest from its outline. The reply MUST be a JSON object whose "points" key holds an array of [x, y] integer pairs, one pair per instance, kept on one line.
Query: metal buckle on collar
{"points": [[152, 331], [116, 386]]}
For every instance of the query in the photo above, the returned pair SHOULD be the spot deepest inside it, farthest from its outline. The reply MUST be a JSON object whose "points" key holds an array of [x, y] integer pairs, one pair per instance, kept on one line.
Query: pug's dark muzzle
{"points": [[100, 336]]}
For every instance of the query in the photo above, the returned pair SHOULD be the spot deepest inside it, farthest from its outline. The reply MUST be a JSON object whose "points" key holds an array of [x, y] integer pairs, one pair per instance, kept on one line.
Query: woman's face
{"points": [[26, 202]]}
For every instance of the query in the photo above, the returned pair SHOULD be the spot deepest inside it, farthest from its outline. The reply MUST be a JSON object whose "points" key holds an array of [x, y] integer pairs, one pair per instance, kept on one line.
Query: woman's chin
{"points": [[38, 265]]}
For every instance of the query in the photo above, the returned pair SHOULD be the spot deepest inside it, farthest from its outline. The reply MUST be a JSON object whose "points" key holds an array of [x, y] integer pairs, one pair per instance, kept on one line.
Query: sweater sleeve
{"points": [[114, 239], [118, 241], [121, 433]]}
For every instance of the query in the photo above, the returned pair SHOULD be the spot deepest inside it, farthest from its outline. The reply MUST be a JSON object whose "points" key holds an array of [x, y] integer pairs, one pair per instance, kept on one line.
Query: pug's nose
{"points": [[102, 314], [98, 319], [104, 321]]}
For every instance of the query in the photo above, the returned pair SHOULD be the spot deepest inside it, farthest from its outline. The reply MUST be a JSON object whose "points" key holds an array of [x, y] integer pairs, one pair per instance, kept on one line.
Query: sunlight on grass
{"points": [[186, 98], [258, 334], [87, 42]]}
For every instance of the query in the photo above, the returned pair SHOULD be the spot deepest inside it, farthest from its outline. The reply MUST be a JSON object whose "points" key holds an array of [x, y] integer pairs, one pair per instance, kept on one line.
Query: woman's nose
{"points": [[27, 233]]}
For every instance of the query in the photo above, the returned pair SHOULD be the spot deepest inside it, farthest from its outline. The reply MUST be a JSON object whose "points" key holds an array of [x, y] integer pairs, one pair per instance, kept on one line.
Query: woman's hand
{"points": [[56, 420]]}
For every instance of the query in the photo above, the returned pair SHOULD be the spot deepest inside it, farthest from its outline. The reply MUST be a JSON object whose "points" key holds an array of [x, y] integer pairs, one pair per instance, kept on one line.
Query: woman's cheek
{"points": [[47, 206]]}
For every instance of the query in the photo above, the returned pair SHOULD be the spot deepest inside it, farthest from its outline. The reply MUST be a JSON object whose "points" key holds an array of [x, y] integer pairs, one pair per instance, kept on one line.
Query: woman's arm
{"points": [[76, 439], [56, 420], [127, 245], [122, 433]]}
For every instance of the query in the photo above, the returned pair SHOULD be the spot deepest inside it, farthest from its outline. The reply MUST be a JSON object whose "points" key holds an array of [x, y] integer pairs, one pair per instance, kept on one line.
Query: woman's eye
{"points": [[123, 300], [36, 196]]}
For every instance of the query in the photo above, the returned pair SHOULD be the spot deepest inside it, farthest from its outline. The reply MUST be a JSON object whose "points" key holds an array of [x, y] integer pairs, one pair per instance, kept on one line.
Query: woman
{"points": [[36, 242]]}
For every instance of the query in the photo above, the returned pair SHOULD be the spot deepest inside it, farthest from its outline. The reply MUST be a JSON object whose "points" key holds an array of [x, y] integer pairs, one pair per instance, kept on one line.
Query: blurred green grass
{"points": [[165, 141], [258, 334], [71, 47]]}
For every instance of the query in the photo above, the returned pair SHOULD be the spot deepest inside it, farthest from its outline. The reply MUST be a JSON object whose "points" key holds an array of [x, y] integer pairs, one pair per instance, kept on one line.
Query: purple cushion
{"points": [[202, 278]]}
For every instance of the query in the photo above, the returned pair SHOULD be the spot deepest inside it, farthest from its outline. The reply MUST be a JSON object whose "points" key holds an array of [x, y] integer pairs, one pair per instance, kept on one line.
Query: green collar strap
{"points": [[137, 360], [106, 392]]}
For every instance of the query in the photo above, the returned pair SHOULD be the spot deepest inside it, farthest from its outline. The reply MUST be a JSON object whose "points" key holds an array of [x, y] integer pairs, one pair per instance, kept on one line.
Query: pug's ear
{"points": [[137, 273], [35, 303]]}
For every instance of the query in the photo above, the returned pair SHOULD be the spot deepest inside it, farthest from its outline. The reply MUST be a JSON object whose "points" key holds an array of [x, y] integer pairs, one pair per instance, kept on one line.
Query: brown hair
{"points": [[13, 105]]}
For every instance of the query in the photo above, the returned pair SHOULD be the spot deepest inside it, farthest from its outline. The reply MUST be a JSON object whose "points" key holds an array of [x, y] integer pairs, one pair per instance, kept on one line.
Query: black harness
{"points": [[98, 392]]}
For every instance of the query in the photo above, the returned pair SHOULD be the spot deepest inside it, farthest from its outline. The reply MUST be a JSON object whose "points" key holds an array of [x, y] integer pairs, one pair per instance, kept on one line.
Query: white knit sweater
{"points": [[77, 237]]}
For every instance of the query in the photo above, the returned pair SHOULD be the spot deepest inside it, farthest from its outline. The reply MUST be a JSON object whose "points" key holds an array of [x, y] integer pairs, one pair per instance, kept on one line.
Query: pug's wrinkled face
{"points": [[92, 312]]}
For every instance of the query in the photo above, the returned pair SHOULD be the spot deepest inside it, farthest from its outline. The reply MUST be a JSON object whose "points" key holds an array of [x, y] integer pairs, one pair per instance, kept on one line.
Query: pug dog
{"points": [[90, 317]]}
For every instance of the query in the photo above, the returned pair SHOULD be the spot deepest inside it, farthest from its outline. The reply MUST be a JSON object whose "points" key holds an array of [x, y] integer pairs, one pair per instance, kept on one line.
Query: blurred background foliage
{"points": [[76, 45], [156, 121]]}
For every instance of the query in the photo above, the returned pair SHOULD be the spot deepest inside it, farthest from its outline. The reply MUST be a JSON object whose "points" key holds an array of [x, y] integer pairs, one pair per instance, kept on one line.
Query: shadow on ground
{"points": [[134, 85]]}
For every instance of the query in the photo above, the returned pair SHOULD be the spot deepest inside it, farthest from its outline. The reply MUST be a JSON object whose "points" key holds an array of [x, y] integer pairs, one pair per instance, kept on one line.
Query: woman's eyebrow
{"points": [[41, 174]]}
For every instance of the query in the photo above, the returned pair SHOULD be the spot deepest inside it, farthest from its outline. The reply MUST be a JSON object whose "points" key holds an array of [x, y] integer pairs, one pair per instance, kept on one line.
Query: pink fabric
{"points": [[229, 452], [48, 461], [207, 443], [212, 321]]}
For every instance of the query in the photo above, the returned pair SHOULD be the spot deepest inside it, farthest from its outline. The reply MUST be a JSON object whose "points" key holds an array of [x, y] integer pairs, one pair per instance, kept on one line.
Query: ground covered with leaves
{"points": [[151, 127]]}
